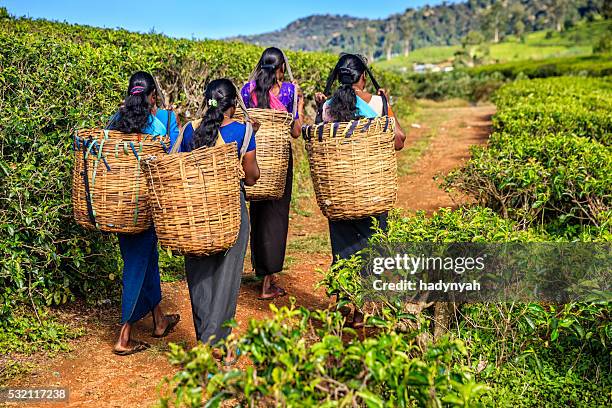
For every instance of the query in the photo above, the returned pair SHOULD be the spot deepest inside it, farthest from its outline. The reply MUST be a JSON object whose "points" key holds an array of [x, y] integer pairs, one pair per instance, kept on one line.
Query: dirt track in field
{"points": [[98, 378]]}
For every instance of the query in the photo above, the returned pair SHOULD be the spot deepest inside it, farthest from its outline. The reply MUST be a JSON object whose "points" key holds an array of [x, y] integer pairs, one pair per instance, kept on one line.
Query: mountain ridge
{"points": [[443, 24]]}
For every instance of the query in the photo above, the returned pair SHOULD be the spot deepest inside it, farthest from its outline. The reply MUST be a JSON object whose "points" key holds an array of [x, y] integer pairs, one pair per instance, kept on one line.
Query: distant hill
{"points": [[442, 25], [577, 40]]}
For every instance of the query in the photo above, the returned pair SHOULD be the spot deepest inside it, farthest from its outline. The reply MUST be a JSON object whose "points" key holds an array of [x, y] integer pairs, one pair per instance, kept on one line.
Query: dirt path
{"points": [[96, 378]]}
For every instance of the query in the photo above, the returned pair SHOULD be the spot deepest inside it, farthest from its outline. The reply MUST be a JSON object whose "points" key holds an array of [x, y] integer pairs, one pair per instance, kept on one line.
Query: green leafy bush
{"points": [[303, 359], [480, 83], [462, 225], [540, 179], [592, 65], [549, 159], [540, 355], [577, 106]]}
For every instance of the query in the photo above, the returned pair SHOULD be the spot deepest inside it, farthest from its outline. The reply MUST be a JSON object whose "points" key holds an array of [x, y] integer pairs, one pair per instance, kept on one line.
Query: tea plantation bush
{"points": [[549, 158], [596, 65], [576, 106], [305, 359], [55, 77], [479, 83], [522, 354]]}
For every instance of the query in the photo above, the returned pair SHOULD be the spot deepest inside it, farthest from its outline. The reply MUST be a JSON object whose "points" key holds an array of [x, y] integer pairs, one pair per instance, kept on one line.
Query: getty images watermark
{"points": [[479, 272], [416, 264]]}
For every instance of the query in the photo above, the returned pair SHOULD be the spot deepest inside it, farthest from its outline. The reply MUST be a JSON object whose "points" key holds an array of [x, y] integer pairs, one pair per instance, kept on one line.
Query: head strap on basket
{"points": [[160, 94], [248, 132]]}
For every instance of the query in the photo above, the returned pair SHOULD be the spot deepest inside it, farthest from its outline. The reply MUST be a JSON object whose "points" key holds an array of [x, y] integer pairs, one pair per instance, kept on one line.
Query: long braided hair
{"points": [[265, 75], [348, 70]]}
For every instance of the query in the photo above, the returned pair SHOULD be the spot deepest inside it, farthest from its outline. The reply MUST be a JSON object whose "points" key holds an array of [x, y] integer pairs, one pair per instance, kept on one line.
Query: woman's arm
{"points": [[400, 136], [250, 167], [297, 124]]}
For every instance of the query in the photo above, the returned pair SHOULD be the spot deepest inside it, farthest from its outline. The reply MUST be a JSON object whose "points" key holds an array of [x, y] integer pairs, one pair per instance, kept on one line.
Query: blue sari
{"points": [[141, 282]]}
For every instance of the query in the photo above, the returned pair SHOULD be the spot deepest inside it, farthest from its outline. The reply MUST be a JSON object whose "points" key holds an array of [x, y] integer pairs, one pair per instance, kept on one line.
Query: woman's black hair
{"points": [[134, 114], [220, 95], [265, 75], [348, 70]]}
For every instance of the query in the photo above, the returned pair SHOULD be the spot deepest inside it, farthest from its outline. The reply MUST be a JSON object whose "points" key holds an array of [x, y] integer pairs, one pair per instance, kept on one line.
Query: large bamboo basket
{"points": [[109, 192], [195, 198], [353, 167], [273, 149]]}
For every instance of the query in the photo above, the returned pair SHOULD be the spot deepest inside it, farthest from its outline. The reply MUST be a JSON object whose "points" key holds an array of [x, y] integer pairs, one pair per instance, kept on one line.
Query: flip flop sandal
{"points": [[173, 320], [140, 346], [234, 361], [278, 288], [276, 294]]}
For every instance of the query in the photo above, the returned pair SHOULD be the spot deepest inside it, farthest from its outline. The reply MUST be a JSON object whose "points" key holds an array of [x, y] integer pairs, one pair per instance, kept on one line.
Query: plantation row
{"points": [[591, 65], [479, 83], [495, 354], [549, 159], [56, 77]]}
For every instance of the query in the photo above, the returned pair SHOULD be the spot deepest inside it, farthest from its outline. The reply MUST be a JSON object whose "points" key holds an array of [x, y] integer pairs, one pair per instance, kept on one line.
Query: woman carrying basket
{"points": [[214, 280], [270, 218], [141, 282], [349, 102]]}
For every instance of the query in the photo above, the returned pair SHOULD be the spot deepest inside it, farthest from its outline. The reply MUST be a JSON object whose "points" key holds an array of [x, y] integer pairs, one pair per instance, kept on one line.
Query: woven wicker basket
{"points": [[273, 149], [353, 167], [195, 198], [109, 192]]}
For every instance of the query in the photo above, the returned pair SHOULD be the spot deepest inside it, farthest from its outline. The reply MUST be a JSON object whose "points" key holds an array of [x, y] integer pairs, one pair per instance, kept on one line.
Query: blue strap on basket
{"points": [[320, 133], [163, 145], [367, 125], [85, 174], [352, 128], [386, 124], [134, 150], [335, 127], [306, 133]]}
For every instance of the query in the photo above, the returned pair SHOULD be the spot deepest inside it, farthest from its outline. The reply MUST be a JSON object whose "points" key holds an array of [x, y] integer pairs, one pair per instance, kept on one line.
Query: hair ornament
{"points": [[137, 90], [213, 103], [268, 66]]}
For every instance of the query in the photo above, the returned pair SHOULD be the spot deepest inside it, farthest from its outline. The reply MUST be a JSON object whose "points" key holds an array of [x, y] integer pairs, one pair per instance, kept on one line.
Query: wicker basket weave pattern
{"points": [[273, 149], [353, 167], [109, 191], [195, 198]]}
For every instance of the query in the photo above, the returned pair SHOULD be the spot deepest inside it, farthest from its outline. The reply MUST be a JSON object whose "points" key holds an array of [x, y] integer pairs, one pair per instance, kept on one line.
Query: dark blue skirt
{"points": [[350, 236], [141, 282]]}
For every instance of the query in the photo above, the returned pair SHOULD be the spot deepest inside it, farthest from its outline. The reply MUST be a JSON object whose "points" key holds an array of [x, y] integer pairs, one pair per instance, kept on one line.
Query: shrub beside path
{"points": [[96, 377]]}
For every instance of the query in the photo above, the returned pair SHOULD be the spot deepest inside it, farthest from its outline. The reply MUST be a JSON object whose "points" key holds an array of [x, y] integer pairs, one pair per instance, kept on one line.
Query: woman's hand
{"points": [[255, 124], [383, 92], [299, 91], [250, 167], [320, 98]]}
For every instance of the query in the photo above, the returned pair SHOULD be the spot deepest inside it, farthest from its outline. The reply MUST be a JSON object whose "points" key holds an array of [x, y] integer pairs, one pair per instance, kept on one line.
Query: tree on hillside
{"points": [[516, 15], [391, 38], [559, 12], [406, 29], [494, 18], [473, 50]]}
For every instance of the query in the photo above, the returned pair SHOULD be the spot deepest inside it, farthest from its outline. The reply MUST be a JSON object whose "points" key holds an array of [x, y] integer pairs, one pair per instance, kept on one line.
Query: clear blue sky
{"points": [[201, 19]]}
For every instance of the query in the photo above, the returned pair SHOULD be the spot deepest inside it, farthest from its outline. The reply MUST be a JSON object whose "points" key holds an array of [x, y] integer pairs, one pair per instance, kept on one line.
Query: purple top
{"points": [[285, 96]]}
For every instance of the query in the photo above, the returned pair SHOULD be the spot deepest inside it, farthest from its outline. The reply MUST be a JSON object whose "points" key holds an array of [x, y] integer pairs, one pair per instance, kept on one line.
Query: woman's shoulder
{"points": [[247, 86], [155, 126], [234, 126], [289, 86]]}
